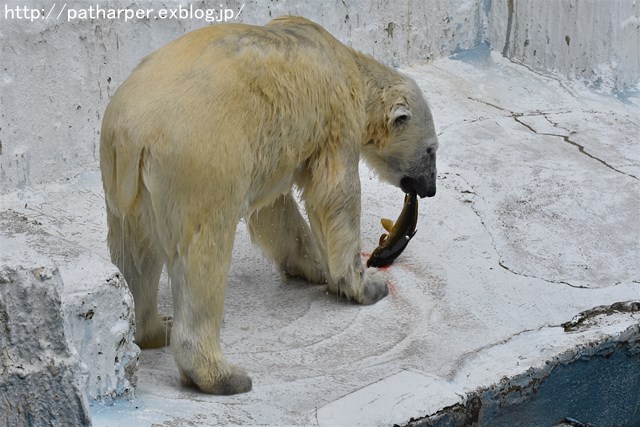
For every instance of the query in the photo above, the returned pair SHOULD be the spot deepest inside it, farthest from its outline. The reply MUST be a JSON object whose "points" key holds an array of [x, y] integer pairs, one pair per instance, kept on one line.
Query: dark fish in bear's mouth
{"points": [[392, 244]]}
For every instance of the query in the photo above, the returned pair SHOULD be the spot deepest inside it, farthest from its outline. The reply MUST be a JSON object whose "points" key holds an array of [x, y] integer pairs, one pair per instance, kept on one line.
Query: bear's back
{"points": [[238, 94], [289, 49]]}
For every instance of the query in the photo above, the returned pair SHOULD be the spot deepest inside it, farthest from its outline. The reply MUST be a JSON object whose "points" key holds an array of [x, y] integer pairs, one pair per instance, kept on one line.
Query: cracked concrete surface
{"points": [[527, 231], [595, 137], [522, 118], [584, 317]]}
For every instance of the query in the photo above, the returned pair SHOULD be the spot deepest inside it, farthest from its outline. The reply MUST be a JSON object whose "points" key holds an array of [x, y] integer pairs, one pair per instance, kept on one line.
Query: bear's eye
{"points": [[429, 150]]}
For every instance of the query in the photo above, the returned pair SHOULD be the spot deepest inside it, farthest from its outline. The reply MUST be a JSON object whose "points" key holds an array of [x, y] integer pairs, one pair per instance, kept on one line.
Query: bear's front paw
{"points": [[374, 287]]}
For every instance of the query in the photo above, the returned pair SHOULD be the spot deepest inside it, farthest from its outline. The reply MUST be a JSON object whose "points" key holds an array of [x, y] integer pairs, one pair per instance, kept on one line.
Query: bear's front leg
{"points": [[334, 214]]}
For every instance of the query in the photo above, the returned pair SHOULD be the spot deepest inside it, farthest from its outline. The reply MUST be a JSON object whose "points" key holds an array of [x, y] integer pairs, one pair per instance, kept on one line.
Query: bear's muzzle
{"points": [[422, 186]]}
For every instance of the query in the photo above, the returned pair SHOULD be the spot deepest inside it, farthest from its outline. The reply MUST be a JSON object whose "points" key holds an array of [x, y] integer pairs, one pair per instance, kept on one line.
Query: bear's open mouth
{"points": [[419, 186]]}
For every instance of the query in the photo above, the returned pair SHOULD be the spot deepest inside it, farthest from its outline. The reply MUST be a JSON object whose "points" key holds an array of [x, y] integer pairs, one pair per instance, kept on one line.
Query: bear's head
{"points": [[401, 141]]}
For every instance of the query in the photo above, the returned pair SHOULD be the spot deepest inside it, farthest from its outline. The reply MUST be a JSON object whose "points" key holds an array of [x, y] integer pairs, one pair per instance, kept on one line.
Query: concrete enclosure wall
{"points": [[591, 40], [59, 67]]}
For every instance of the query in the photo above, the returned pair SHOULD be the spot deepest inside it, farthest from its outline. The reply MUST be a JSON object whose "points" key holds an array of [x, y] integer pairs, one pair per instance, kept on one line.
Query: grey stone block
{"points": [[96, 305], [43, 380]]}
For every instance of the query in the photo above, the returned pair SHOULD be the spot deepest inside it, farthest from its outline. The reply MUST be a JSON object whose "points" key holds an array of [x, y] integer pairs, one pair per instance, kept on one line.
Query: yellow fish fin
{"points": [[387, 224]]}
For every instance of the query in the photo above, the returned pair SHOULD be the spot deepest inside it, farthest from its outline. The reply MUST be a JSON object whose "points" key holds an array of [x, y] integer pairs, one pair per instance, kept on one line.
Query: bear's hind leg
{"points": [[135, 252], [284, 236], [199, 282]]}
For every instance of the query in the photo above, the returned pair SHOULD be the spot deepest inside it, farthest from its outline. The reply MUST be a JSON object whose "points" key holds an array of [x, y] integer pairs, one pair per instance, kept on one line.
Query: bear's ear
{"points": [[400, 115]]}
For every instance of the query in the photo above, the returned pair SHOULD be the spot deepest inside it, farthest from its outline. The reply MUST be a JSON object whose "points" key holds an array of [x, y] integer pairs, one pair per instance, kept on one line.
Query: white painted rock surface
{"points": [[42, 380], [96, 306]]}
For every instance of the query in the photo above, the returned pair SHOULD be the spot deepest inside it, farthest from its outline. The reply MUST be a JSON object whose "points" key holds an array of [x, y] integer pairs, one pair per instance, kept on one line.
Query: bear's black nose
{"points": [[431, 191], [421, 186]]}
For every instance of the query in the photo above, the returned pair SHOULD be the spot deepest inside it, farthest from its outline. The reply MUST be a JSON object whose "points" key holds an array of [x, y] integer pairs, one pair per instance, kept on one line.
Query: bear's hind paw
{"points": [[160, 335], [233, 382]]}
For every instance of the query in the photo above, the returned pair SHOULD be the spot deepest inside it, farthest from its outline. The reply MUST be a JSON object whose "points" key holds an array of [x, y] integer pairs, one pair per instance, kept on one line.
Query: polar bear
{"points": [[220, 125]]}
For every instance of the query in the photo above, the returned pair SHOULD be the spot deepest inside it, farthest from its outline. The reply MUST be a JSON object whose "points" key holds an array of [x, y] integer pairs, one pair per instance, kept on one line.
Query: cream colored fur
{"points": [[219, 125]]}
